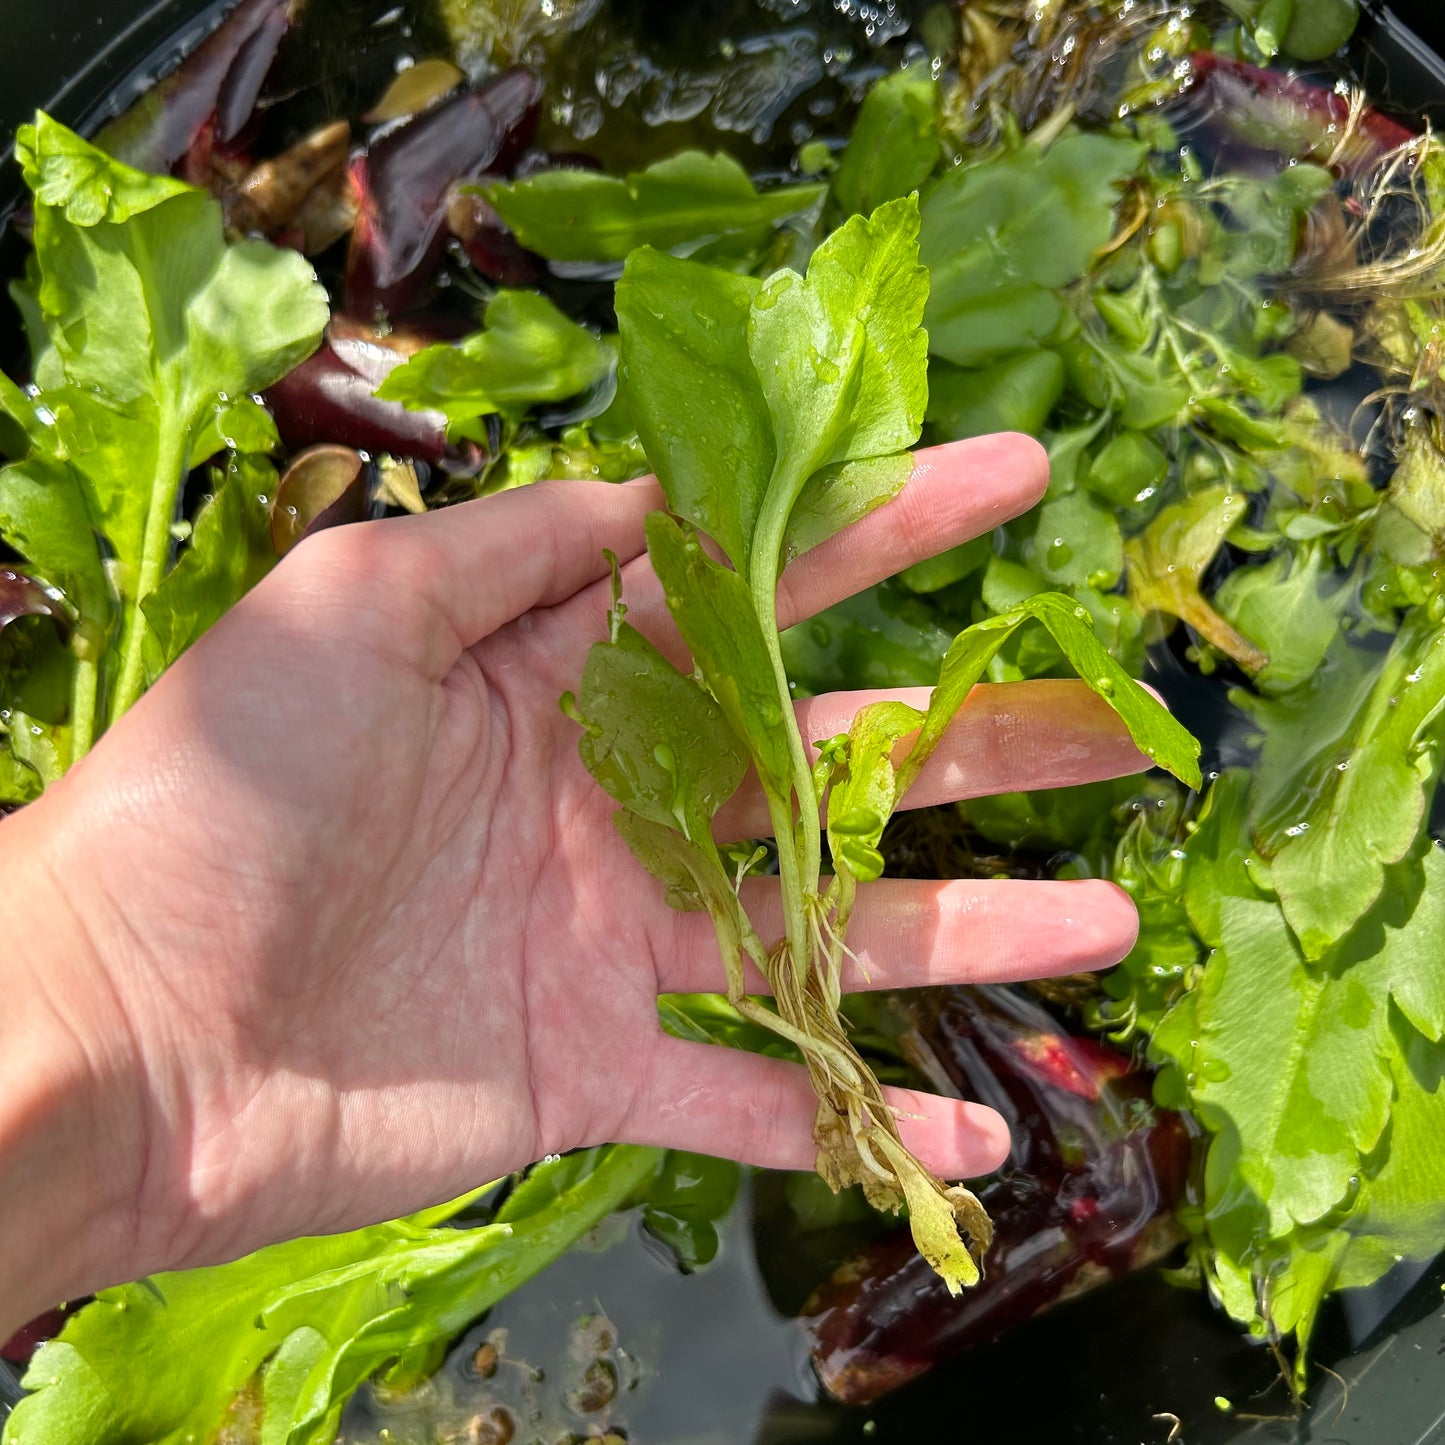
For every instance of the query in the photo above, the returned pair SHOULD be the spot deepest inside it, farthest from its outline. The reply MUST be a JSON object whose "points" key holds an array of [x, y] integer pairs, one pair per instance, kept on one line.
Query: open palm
{"points": [[367, 935]]}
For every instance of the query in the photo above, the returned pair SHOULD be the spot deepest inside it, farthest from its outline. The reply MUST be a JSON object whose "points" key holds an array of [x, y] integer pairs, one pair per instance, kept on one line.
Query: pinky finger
{"points": [[736, 1105]]}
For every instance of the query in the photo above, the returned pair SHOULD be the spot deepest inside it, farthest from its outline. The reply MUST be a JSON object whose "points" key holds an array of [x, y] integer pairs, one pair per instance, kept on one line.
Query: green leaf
{"points": [[229, 552], [1410, 528], [1002, 235], [863, 797], [1329, 867], [309, 1319], [528, 353], [881, 638], [44, 515], [895, 142], [841, 355], [1154, 731], [83, 182], [691, 389], [691, 873], [708, 1018], [1404, 929], [1128, 468], [1017, 393], [241, 425], [679, 204], [1290, 609], [684, 1204], [714, 612], [1287, 1057], [654, 739], [842, 494], [936, 573], [1168, 560], [145, 323], [33, 754], [26, 424], [1076, 541]]}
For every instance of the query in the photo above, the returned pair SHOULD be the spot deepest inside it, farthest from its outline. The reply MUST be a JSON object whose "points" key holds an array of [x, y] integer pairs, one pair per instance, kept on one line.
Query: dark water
{"points": [[709, 1359]]}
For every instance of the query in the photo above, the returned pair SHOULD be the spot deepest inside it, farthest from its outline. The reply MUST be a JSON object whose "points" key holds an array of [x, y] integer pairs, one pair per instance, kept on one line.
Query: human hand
{"points": [[342, 928]]}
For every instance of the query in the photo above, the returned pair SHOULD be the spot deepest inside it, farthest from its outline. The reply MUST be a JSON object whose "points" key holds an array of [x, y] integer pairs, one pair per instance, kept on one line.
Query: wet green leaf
{"points": [[1288, 607], [690, 386], [1368, 799], [684, 1204], [841, 354], [230, 550], [680, 204], [1168, 559], [655, 739], [863, 797]]}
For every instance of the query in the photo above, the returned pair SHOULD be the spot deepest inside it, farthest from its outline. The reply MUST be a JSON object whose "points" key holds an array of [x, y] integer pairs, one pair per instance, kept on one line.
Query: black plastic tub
{"points": [[1123, 1367]]}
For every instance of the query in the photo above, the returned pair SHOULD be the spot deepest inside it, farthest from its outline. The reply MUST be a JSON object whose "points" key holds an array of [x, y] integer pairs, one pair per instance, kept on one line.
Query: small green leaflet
{"points": [[527, 353], [864, 797], [682, 204], [655, 739], [305, 1322], [1001, 236]]}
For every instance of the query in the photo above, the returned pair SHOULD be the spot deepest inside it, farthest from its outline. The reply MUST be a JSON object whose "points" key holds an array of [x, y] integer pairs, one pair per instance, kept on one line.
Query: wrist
{"points": [[72, 1120]]}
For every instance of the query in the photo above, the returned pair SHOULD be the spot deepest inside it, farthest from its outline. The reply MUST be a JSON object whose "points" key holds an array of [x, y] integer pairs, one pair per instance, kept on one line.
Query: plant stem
{"points": [[799, 868], [84, 695], [171, 456]]}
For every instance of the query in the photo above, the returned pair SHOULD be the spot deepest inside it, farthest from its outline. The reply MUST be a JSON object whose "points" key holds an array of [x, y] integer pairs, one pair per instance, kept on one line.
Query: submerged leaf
{"points": [[1168, 560], [1331, 845], [527, 353], [680, 204], [895, 142], [1002, 235]]}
